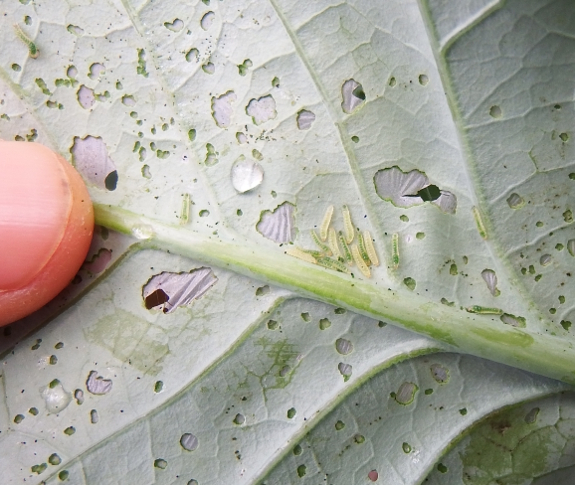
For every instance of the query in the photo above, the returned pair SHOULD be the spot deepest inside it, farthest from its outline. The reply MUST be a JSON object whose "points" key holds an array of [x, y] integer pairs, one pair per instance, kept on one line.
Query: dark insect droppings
{"points": [[156, 298]]}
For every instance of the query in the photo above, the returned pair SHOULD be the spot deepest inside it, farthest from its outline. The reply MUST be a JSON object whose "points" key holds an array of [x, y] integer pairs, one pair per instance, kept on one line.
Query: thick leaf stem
{"points": [[482, 335]]}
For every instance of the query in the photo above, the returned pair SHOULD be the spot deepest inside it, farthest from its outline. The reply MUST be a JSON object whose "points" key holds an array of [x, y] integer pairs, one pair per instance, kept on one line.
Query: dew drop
{"points": [[246, 175], [55, 397], [142, 231]]}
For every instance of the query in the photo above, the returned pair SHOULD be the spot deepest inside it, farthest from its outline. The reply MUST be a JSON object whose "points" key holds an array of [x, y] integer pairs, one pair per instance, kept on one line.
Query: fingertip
{"points": [[47, 221]]}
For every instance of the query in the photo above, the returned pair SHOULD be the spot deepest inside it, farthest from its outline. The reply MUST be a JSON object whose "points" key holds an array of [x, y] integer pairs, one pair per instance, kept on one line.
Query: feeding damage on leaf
{"points": [[167, 291], [408, 189], [91, 159]]}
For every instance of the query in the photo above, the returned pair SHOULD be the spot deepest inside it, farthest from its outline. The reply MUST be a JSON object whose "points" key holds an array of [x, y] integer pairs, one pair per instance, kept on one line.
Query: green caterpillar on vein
{"points": [[336, 251], [33, 51]]}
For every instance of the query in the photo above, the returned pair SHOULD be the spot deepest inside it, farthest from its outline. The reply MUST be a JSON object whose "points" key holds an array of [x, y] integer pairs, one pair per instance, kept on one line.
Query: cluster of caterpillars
{"points": [[337, 250]]}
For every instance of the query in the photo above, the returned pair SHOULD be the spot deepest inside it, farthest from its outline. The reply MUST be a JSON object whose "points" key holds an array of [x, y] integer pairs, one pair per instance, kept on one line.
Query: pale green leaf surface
{"points": [[477, 95]]}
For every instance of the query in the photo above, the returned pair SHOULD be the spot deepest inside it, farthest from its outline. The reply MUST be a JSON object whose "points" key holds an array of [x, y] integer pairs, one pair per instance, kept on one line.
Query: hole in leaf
{"points": [[262, 109], [189, 442], [353, 96], [175, 26], [513, 320], [495, 112], [439, 373], [406, 393], [278, 225], [222, 109], [181, 288], [345, 370], [305, 119], [531, 416], [94, 417], [263, 290], [343, 346], [207, 20], [407, 189], [160, 463], [96, 384]]}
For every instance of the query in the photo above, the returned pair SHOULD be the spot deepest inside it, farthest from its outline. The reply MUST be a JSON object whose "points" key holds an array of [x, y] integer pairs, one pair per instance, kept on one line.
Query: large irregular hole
{"points": [[278, 225], [222, 108], [406, 393], [98, 262], [439, 373], [490, 279], [96, 384], [513, 320], [407, 189], [174, 26], [207, 20], [305, 119], [343, 346], [95, 69], [86, 97], [352, 95], [262, 109], [246, 174], [345, 370], [180, 289], [91, 159], [515, 201], [211, 155]]}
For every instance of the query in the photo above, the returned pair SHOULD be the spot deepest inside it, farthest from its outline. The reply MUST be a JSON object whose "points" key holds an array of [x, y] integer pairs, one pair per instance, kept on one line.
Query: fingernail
{"points": [[35, 202]]}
